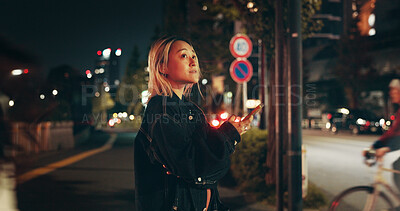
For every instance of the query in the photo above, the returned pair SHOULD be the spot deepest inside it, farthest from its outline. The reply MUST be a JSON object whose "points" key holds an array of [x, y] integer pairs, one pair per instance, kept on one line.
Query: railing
{"points": [[45, 136]]}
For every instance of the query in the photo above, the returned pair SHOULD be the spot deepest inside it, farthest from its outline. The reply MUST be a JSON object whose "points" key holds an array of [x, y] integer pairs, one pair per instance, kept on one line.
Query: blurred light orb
{"points": [[371, 19], [120, 114], [255, 9], [118, 52], [97, 94], [101, 70], [204, 8], [250, 5], [131, 117], [204, 81], [115, 115], [145, 96], [372, 32], [215, 123], [124, 115], [16, 72], [11, 103], [107, 53], [98, 53], [42, 96], [116, 82], [107, 88], [229, 94], [55, 92], [89, 75]]}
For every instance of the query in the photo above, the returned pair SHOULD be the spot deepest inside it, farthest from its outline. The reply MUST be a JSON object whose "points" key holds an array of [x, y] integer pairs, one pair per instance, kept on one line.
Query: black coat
{"points": [[175, 136]]}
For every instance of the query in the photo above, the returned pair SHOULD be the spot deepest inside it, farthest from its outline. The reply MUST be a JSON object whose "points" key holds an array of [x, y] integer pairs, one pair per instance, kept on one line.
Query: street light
{"points": [[16, 72], [250, 4], [55, 92], [42, 96], [11, 103], [118, 52]]}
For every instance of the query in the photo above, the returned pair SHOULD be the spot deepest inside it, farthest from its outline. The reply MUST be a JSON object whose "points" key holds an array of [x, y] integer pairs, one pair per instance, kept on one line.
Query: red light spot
{"points": [[26, 71], [215, 123], [99, 53], [224, 115], [237, 119], [87, 72], [368, 123], [329, 116], [392, 117]]}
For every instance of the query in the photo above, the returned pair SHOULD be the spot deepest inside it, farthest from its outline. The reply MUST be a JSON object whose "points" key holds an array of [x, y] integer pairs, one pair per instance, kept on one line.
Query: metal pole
{"points": [[279, 103], [294, 84], [244, 98]]}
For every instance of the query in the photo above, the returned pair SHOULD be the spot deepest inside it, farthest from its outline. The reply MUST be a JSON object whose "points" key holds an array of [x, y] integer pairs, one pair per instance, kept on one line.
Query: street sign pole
{"points": [[244, 98], [241, 70]]}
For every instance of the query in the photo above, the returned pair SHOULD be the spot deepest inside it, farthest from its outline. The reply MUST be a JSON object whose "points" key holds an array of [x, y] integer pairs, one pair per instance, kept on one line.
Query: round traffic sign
{"points": [[240, 46], [241, 70]]}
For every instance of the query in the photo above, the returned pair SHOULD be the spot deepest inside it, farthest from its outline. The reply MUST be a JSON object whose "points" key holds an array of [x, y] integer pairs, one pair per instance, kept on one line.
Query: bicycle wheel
{"points": [[356, 198]]}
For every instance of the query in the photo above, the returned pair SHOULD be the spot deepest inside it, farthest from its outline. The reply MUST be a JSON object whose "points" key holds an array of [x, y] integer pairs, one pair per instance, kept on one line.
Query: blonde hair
{"points": [[157, 62]]}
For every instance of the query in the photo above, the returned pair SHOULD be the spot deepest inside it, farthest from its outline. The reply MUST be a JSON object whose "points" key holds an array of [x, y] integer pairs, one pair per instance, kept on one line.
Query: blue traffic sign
{"points": [[241, 70]]}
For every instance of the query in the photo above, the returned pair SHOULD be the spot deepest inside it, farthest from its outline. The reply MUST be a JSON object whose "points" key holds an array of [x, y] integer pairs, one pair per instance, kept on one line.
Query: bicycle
{"points": [[378, 196]]}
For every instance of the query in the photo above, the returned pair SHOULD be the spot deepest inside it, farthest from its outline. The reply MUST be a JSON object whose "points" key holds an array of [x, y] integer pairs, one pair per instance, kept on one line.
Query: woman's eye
{"points": [[184, 56], [193, 57]]}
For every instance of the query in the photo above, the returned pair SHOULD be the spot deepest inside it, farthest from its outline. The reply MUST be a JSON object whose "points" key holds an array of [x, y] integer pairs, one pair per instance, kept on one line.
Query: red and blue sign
{"points": [[241, 70]]}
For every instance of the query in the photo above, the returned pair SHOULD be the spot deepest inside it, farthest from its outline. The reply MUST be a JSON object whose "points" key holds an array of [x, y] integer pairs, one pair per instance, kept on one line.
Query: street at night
{"points": [[252, 105]]}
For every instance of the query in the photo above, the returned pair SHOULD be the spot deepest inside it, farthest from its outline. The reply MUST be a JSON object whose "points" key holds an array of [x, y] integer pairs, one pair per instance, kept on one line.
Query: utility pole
{"points": [[294, 97], [279, 106]]}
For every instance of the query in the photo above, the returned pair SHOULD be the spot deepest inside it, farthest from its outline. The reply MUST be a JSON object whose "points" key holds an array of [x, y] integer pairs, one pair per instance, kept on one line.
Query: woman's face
{"points": [[183, 66]]}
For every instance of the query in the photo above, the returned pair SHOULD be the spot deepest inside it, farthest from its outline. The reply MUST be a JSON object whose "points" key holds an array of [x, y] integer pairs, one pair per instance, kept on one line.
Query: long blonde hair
{"points": [[157, 62]]}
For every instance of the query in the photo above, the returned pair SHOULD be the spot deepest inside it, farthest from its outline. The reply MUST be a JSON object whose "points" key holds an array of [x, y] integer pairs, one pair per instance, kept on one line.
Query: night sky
{"points": [[72, 31]]}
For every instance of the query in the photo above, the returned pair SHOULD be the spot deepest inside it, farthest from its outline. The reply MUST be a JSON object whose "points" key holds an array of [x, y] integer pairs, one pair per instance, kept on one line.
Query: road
{"points": [[335, 162], [103, 181]]}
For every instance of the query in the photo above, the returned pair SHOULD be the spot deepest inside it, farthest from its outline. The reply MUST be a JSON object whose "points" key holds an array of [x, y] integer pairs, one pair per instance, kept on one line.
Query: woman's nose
{"points": [[192, 62]]}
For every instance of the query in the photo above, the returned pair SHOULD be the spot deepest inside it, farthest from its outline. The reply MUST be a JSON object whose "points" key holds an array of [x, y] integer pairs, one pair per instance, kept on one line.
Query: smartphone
{"points": [[254, 111]]}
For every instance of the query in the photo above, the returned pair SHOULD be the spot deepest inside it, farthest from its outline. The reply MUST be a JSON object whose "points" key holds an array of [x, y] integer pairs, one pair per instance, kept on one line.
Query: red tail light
{"points": [[329, 116]]}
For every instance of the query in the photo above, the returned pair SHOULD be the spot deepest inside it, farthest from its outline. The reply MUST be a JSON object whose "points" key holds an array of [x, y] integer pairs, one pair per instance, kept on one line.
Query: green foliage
{"points": [[315, 198], [260, 23], [248, 169], [248, 161]]}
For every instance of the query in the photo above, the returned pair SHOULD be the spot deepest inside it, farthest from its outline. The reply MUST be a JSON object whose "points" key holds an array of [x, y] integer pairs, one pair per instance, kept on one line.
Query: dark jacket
{"points": [[175, 137]]}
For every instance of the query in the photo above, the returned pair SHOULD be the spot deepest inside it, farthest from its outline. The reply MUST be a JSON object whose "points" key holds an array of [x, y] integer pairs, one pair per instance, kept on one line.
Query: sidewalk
{"points": [[238, 201]]}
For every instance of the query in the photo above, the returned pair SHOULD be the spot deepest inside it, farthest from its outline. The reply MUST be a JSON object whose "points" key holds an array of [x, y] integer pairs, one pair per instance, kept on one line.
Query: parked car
{"points": [[356, 121]]}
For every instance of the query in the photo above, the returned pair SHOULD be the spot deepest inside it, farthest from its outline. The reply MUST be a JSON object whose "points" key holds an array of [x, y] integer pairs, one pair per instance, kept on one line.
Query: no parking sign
{"points": [[241, 70]]}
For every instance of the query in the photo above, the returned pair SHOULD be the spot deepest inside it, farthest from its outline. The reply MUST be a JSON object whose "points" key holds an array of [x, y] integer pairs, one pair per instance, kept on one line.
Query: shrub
{"points": [[248, 161], [248, 169]]}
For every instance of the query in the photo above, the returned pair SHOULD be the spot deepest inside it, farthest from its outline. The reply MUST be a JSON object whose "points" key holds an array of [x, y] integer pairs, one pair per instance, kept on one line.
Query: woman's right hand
{"points": [[242, 126]]}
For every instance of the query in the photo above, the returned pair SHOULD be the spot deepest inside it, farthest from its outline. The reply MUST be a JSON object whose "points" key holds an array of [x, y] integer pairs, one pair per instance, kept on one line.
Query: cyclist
{"points": [[390, 140]]}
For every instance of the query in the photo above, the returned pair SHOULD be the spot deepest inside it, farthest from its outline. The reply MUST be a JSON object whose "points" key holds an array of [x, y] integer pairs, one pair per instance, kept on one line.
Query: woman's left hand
{"points": [[241, 126]]}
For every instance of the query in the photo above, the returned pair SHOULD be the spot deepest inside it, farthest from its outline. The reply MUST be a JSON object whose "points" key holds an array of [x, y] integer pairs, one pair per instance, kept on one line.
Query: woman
{"points": [[179, 157]]}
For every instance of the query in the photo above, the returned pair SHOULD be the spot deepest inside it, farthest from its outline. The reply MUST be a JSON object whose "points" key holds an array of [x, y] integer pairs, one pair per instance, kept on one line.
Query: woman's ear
{"points": [[163, 71]]}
